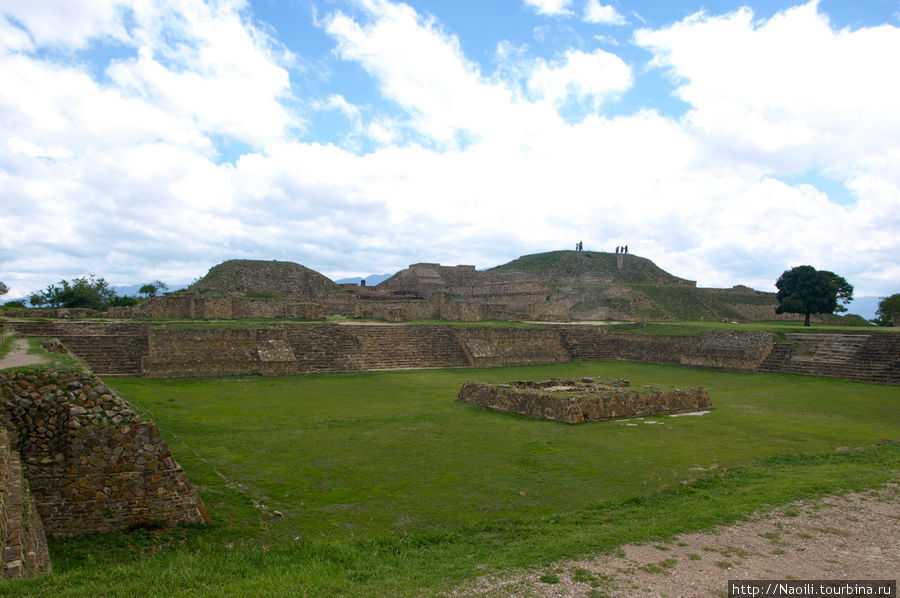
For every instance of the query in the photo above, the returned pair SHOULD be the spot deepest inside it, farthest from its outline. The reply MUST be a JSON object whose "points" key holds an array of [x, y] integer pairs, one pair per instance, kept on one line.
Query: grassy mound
{"points": [[575, 265], [266, 280]]}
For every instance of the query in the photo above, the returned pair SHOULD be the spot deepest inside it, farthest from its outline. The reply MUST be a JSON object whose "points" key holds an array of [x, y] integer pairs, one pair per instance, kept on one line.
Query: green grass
{"points": [[390, 487], [6, 342], [778, 328]]}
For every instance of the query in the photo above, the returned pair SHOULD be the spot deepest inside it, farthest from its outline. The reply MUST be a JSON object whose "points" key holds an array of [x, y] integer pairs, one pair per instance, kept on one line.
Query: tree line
{"points": [[88, 292]]}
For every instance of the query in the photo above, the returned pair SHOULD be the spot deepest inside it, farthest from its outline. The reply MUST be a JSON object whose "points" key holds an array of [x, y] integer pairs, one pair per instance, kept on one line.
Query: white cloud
{"points": [[789, 93], [551, 7], [468, 166], [67, 23], [604, 14], [594, 76], [223, 74], [444, 94]]}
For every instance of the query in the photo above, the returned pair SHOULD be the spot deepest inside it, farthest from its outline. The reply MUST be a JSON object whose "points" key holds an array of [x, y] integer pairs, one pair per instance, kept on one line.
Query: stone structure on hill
{"points": [[553, 286], [574, 401], [76, 459]]}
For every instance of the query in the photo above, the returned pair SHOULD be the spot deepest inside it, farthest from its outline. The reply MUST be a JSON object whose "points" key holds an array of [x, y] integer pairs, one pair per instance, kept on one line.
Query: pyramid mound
{"points": [[271, 279], [591, 265]]}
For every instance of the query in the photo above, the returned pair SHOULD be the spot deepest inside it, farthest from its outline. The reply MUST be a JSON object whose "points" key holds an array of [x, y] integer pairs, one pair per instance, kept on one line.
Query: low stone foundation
{"points": [[583, 400]]}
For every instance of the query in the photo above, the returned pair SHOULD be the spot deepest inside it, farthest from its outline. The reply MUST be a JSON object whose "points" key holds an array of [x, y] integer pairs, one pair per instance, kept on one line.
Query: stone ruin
{"points": [[574, 401], [76, 459]]}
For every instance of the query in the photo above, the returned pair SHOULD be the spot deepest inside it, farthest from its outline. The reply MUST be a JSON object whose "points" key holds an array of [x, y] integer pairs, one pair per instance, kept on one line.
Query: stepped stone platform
{"points": [[141, 349], [108, 348], [858, 357], [574, 401]]}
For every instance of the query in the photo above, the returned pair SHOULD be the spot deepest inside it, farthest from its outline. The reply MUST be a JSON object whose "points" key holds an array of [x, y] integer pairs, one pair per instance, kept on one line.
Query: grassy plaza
{"points": [[379, 483]]}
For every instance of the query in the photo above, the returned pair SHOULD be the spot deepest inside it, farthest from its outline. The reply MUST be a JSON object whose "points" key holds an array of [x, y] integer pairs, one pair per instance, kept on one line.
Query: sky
{"points": [[726, 141]]}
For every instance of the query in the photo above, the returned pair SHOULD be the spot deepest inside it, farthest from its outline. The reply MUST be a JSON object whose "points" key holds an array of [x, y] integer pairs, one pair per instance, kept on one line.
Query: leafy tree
{"points": [[153, 289], [123, 301], [887, 307], [3, 288], [843, 290], [16, 303], [805, 290], [90, 292]]}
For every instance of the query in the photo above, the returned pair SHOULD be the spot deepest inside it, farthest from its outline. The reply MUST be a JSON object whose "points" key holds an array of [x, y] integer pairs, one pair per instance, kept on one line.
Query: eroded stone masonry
{"points": [[91, 463], [574, 401], [142, 349]]}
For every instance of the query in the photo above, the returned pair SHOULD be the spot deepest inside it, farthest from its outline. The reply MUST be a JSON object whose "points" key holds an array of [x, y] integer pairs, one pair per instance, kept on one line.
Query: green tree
{"points": [[805, 290], [153, 289], [887, 307], [3, 288], [87, 291]]}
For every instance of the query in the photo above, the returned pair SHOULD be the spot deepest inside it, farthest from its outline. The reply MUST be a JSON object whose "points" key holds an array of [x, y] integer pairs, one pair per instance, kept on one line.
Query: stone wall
{"points": [[397, 310], [140, 349], [493, 347], [585, 400], [23, 546], [227, 308], [218, 352], [92, 463]]}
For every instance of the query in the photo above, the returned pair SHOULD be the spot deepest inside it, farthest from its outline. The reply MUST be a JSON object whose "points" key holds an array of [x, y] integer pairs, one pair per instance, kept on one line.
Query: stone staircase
{"points": [[586, 344], [407, 347], [322, 348], [777, 359], [878, 360], [109, 348], [858, 357], [350, 348]]}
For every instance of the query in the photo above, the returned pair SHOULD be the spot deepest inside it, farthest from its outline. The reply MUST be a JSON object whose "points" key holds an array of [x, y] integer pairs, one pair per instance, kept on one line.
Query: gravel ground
{"points": [[850, 537], [18, 356]]}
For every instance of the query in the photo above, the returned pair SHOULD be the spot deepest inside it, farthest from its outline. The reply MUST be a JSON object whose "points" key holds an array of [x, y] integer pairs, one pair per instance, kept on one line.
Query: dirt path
{"points": [[852, 537], [18, 356]]}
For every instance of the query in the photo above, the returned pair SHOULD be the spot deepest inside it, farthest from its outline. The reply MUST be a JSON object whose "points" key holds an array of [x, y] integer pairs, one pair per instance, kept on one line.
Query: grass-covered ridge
{"points": [[388, 486], [264, 279], [568, 265]]}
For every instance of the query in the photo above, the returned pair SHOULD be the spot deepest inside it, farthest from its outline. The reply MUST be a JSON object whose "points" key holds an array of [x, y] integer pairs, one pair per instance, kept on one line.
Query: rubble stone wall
{"points": [[93, 464], [578, 408], [23, 546]]}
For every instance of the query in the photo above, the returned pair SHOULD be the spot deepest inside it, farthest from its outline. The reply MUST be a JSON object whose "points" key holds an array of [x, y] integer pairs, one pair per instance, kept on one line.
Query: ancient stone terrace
{"points": [[144, 350], [110, 348]]}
